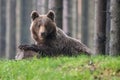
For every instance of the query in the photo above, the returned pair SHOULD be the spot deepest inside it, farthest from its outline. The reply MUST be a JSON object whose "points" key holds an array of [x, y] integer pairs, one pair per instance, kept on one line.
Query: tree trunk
{"points": [[26, 9], [10, 29], [2, 28], [100, 26], [70, 14], [91, 13], [34, 4], [66, 15], [79, 19], [18, 23], [115, 28], [42, 6], [74, 18], [84, 27], [108, 27], [57, 6]]}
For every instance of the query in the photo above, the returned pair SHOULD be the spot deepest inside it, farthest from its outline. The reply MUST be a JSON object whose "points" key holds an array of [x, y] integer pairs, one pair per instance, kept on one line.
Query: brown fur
{"points": [[54, 41], [23, 54], [42, 28]]}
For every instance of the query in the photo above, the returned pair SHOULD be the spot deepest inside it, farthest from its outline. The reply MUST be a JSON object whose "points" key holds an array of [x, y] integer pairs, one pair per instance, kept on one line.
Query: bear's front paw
{"points": [[29, 47], [24, 47]]}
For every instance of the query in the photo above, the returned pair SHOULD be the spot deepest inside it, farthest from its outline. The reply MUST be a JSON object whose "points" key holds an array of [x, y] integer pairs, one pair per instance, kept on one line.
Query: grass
{"points": [[62, 68]]}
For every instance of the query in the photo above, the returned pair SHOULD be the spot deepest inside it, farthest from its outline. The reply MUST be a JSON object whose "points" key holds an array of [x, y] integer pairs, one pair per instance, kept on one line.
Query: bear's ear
{"points": [[34, 15], [51, 15]]}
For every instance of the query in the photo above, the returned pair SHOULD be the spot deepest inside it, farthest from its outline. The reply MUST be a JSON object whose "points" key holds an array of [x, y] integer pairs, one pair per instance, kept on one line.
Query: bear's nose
{"points": [[43, 34]]}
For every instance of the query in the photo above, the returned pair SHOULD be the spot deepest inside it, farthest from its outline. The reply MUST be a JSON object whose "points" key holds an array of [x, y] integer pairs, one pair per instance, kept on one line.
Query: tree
{"points": [[70, 17], [108, 27], [100, 26], [84, 23], [10, 29], [25, 11], [67, 16], [2, 27], [74, 18], [42, 6], [56, 5], [79, 19], [18, 22], [115, 28], [91, 13]]}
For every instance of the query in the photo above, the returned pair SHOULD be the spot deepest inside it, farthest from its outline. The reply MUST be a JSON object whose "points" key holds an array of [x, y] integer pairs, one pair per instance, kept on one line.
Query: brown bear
{"points": [[50, 40]]}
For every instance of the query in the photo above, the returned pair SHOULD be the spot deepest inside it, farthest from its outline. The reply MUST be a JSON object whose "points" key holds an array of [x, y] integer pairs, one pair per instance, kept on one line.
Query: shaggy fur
{"points": [[23, 54], [51, 40]]}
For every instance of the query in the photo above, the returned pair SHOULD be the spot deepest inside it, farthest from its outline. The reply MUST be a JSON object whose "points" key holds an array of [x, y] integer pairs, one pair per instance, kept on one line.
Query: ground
{"points": [[62, 68]]}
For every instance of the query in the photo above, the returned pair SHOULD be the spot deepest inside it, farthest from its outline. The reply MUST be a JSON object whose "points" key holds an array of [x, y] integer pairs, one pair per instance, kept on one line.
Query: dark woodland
{"points": [[96, 23]]}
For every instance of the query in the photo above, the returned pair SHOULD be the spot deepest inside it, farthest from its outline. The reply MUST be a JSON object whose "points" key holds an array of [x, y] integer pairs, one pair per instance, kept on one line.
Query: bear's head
{"points": [[43, 27]]}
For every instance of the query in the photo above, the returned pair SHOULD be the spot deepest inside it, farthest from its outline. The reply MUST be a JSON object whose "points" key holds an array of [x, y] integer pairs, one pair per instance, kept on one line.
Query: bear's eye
{"points": [[47, 27]]}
